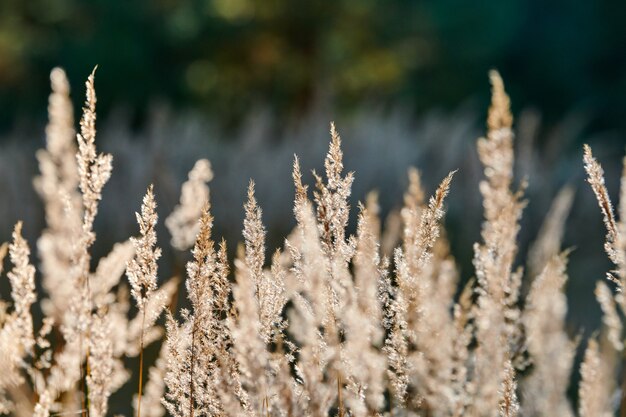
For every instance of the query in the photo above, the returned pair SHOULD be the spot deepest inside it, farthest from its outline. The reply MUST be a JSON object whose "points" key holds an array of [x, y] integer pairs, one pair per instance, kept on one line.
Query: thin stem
{"points": [[622, 407], [85, 404], [82, 375], [341, 411], [84, 386], [87, 373], [143, 321], [193, 346]]}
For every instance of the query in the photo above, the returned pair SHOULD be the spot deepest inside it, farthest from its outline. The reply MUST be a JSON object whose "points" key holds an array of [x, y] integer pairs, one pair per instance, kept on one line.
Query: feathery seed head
{"points": [[499, 113], [142, 269], [183, 222], [22, 278]]}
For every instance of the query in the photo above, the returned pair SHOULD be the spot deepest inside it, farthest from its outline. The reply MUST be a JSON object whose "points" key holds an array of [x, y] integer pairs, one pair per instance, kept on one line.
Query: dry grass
{"points": [[329, 325]]}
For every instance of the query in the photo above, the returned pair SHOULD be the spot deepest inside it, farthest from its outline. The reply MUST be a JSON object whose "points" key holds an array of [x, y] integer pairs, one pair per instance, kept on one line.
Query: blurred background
{"points": [[248, 83], [227, 57]]}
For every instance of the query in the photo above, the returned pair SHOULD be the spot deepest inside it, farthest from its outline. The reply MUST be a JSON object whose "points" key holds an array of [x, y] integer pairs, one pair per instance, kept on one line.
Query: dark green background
{"points": [[224, 56]]}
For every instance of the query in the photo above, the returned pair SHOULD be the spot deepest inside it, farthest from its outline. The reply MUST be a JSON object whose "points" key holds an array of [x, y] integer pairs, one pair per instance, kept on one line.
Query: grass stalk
{"points": [[140, 389], [341, 410], [191, 387]]}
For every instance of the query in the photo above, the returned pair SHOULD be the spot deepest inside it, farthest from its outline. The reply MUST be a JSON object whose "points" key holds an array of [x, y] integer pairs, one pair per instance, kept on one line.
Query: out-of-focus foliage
{"points": [[229, 55]]}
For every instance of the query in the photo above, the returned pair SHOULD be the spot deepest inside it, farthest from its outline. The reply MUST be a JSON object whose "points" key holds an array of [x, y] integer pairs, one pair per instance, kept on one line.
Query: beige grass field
{"points": [[329, 324]]}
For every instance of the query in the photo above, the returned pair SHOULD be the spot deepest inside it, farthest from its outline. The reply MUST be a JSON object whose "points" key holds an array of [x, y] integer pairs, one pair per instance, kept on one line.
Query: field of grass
{"points": [[330, 323]]}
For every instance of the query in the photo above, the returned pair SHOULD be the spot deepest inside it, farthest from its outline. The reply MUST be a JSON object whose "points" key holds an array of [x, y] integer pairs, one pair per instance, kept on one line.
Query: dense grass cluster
{"points": [[330, 325]]}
